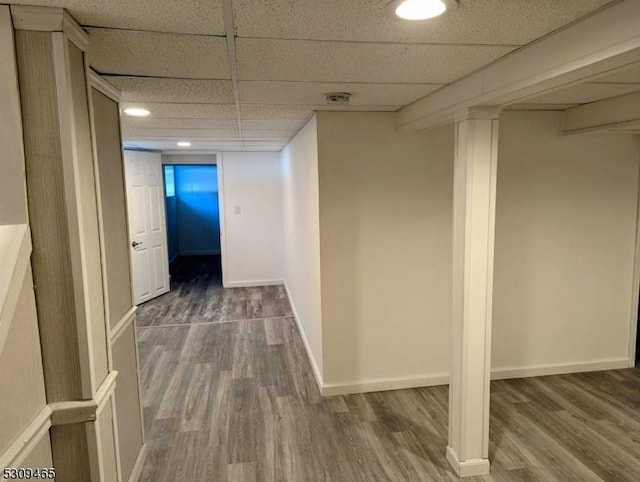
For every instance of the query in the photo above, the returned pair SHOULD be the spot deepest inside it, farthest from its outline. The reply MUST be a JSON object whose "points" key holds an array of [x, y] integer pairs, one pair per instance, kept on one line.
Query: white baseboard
{"points": [[380, 385], [543, 370], [250, 283], [467, 468], [137, 468], [307, 347]]}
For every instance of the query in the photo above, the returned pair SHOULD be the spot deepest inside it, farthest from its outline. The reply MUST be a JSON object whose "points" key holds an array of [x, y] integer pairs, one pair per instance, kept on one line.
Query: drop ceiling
{"points": [[172, 57]]}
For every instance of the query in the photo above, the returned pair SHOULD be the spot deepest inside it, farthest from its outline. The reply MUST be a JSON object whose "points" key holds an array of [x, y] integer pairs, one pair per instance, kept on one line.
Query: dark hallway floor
{"points": [[197, 296], [229, 400]]}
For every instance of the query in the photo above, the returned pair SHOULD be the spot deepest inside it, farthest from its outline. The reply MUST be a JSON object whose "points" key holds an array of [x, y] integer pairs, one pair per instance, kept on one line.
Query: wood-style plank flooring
{"points": [[236, 401]]}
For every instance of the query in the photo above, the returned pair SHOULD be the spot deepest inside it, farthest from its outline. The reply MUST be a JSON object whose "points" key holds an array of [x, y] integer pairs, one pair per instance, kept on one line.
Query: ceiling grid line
{"points": [[230, 30]]}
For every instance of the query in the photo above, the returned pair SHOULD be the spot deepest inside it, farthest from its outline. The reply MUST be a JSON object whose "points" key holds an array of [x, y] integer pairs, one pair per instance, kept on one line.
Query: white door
{"points": [[147, 227]]}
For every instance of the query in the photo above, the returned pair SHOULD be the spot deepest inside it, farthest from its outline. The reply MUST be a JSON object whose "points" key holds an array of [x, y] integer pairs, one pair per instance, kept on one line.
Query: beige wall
{"points": [[564, 245], [130, 427], [302, 237], [251, 200], [22, 394], [114, 210], [40, 456], [13, 208], [385, 237], [22, 386], [118, 295]]}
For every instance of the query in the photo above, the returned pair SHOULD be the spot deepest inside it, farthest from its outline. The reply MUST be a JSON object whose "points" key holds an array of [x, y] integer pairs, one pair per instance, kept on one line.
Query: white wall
{"points": [[565, 241], [251, 221], [564, 250], [385, 231], [302, 238]]}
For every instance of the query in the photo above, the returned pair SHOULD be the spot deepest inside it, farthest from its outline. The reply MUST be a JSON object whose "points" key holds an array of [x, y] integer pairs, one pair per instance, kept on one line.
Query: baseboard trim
{"points": [[250, 283], [467, 468], [563, 369], [314, 366], [137, 468], [381, 385]]}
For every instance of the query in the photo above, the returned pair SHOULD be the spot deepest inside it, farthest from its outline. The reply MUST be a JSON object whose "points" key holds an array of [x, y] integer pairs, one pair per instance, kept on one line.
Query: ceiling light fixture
{"points": [[420, 9], [184, 143], [137, 112]]}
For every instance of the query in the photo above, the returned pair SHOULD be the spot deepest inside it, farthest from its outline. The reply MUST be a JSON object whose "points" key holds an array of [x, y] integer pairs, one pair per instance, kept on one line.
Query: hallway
{"points": [[229, 400]]}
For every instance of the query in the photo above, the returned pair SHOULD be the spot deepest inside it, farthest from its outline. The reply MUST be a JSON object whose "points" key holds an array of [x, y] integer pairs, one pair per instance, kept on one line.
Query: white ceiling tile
{"points": [[358, 108], [186, 134], [277, 124], [313, 93], [259, 112], [128, 52], [193, 16], [171, 147], [256, 134], [141, 89], [288, 60], [185, 111], [163, 123], [515, 22], [584, 93]]}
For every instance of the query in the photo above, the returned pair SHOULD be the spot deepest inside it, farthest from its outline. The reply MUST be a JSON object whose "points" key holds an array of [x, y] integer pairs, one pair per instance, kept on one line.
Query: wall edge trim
{"points": [[117, 331], [314, 366], [27, 440], [137, 468], [101, 85], [18, 250]]}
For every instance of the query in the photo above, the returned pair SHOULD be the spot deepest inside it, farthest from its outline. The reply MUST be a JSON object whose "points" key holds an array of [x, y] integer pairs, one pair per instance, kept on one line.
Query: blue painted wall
{"points": [[171, 204], [197, 209]]}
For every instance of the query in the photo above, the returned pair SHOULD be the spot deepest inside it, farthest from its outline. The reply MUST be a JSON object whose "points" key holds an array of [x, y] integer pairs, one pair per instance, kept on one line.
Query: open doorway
{"points": [[193, 222]]}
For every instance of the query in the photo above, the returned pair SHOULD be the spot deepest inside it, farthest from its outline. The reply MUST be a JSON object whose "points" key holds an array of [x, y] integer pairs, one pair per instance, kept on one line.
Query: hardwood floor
{"points": [[236, 401]]}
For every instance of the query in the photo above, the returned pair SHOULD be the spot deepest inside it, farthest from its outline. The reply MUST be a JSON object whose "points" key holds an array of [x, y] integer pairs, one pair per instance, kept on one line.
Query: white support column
{"points": [[474, 203]]}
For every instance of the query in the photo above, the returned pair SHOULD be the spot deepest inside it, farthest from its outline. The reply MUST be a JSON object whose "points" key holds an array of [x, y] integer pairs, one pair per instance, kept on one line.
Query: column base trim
{"points": [[467, 468]]}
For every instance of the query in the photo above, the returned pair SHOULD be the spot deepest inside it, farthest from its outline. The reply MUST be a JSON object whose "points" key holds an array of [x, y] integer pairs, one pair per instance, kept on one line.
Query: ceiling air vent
{"points": [[337, 98]]}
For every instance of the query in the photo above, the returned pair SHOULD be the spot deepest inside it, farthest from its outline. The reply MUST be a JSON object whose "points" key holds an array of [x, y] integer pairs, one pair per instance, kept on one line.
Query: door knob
{"points": [[135, 244]]}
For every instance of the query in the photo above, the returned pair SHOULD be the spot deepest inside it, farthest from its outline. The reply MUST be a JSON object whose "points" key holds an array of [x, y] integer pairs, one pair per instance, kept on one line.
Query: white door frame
{"points": [[222, 218]]}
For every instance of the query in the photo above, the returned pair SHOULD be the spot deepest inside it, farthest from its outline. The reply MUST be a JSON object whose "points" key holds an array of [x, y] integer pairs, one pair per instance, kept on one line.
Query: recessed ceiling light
{"points": [[137, 112], [184, 143], [420, 9]]}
